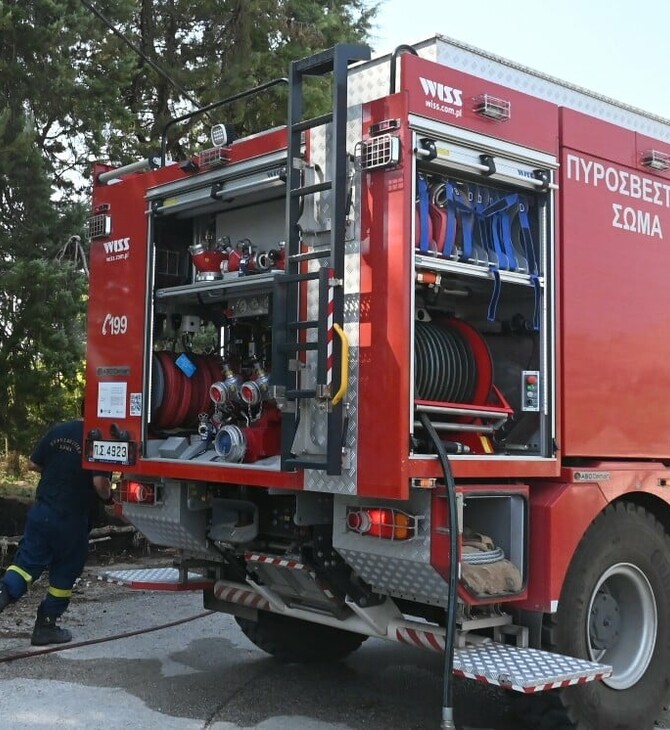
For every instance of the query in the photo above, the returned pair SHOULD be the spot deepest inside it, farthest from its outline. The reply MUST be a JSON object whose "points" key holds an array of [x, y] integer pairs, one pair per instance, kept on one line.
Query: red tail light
{"points": [[138, 492], [388, 524]]}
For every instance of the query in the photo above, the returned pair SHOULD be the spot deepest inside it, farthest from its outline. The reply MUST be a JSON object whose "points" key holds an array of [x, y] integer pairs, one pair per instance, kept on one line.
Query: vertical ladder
{"points": [[289, 339]]}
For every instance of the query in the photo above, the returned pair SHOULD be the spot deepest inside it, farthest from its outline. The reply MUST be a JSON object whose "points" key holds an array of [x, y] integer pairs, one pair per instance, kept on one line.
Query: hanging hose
{"points": [[450, 628]]}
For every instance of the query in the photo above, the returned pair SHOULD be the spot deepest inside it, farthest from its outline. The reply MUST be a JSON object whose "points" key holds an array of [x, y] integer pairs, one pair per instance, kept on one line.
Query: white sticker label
{"points": [[136, 404], [112, 400]]}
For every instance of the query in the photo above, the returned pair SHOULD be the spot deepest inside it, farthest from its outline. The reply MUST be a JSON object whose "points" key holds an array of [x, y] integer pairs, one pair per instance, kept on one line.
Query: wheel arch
{"points": [[560, 517], [656, 506]]}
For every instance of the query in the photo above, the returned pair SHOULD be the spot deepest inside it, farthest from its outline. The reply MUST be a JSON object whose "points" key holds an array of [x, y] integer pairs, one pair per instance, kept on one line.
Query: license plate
{"points": [[116, 451]]}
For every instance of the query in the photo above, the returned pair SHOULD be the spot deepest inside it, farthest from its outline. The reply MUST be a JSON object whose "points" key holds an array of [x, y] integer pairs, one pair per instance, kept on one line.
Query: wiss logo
{"points": [[117, 250], [441, 97]]}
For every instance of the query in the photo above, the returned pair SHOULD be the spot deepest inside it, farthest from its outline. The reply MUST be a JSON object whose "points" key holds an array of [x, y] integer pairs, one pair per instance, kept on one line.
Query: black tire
{"points": [[615, 608], [301, 642]]}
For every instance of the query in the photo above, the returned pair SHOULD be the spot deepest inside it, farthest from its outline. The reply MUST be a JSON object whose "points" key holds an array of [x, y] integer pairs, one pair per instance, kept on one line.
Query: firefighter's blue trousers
{"points": [[54, 542]]}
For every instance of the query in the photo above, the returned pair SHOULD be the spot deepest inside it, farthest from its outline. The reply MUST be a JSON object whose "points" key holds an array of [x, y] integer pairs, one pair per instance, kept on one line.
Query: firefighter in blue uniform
{"points": [[57, 527]]}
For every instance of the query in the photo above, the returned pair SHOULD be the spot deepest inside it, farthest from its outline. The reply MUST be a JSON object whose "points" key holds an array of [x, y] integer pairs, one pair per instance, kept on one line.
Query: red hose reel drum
{"points": [[452, 363], [483, 360], [177, 399]]}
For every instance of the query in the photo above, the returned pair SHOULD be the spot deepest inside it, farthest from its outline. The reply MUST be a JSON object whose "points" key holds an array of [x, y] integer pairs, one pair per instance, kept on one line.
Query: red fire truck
{"points": [[397, 371]]}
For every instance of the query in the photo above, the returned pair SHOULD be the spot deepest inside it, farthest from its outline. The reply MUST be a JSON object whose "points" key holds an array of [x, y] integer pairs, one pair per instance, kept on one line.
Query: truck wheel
{"points": [[615, 609], [295, 641]]}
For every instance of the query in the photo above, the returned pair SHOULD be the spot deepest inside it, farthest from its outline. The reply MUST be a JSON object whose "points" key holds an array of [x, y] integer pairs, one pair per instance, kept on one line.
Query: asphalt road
{"points": [[204, 674]]}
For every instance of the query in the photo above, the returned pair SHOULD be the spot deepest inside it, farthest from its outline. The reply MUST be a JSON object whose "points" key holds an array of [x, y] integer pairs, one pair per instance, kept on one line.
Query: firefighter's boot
{"points": [[47, 632], [5, 598]]}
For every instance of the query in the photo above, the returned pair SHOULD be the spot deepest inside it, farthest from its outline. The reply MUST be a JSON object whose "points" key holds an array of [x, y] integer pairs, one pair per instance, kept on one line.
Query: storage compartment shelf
{"points": [[212, 290], [438, 263]]}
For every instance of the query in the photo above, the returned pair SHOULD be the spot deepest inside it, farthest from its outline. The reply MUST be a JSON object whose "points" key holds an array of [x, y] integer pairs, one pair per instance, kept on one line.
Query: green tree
{"points": [[213, 49], [41, 301], [73, 90]]}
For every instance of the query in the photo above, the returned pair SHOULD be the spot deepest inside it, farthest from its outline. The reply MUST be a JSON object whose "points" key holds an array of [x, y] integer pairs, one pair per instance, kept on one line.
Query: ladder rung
{"points": [[305, 393], [311, 123], [320, 253], [305, 463], [299, 346], [303, 276], [308, 324], [311, 189]]}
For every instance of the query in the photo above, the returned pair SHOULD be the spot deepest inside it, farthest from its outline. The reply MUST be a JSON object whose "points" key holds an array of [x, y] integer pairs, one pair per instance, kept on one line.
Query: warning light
{"points": [[138, 492], [385, 523]]}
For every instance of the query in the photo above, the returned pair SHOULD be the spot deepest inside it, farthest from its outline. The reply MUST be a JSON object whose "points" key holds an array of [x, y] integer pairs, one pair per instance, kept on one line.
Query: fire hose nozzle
{"points": [[230, 444], [254, 392]]}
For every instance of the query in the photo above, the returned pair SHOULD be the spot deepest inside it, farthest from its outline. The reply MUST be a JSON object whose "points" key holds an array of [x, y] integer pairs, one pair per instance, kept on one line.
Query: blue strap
{"points": [[535, 280], [495, 295], [501, 211], [488, 232], [465, 210], [527, 237], [505, 222], [424, 243], [450, 238]]}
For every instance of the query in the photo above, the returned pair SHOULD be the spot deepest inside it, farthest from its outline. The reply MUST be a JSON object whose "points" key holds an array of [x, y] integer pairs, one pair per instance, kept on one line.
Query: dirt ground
{"points": [[125, 550]]}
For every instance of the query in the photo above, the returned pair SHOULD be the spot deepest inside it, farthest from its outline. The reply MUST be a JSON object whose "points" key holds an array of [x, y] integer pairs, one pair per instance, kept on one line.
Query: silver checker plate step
{"points": [[524, 670], [156, 579]]}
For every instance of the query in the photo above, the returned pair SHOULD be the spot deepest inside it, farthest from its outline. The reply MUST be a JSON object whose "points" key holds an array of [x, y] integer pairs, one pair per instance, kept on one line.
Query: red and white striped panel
{"points": [[241, 596], [274, 561], [531, 688], [420, 638], [330, 331], [567, 682]]}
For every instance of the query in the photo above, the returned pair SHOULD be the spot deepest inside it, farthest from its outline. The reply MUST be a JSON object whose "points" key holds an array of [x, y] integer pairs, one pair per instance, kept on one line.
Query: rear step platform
{"points": [[519, 669], [157, 579], [524, 670]]}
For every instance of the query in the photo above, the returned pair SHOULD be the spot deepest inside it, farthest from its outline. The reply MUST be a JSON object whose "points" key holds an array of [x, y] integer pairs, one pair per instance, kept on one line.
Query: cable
{"points": [[141, 54], [450, 628], [115, 637]]}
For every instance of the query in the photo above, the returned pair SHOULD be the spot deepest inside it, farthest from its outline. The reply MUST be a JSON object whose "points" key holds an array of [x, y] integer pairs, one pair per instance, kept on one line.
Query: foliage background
{"points": [[72, 91]]}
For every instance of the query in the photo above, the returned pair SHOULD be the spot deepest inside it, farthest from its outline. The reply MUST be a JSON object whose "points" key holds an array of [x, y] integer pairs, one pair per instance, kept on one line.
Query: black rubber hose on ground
{"points": [[89, 642]]}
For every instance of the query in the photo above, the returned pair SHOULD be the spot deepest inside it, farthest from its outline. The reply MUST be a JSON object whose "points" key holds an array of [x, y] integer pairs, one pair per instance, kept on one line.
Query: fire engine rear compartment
{"points": [[487, 385]]}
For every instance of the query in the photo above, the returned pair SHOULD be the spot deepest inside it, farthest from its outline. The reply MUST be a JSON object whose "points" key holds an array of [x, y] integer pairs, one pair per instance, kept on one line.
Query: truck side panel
{"points": [[116, 313], [615, 219]]}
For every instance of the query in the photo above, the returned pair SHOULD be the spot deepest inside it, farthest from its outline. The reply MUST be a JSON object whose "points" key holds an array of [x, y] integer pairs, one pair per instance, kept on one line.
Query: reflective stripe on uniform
{"points": [[26, 576], [60, 592]]}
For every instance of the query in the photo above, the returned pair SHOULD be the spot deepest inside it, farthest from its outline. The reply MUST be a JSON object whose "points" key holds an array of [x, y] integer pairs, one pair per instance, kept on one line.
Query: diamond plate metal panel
{"points": [[315, 480], [524, 670], [398, 578], [159, 579], [369, 81], [400, 568], [171, 522]]}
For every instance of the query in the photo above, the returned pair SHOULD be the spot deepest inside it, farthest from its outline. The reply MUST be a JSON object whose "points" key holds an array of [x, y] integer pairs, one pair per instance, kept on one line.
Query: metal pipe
{"points": [[470, 428], [394, 57], [150, 163], [214, 105]]}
